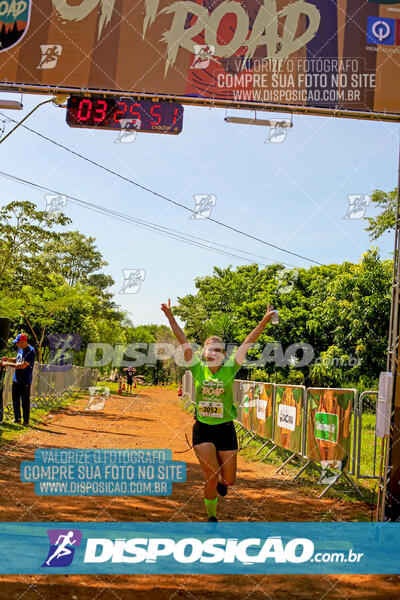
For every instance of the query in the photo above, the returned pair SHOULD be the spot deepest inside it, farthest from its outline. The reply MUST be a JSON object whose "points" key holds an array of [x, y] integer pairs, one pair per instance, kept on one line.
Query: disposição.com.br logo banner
{"points": [[208, 548]]}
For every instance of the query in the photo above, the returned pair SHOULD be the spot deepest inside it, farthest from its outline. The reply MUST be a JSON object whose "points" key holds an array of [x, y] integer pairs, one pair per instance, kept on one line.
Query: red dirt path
{"points": [[154, 419]]}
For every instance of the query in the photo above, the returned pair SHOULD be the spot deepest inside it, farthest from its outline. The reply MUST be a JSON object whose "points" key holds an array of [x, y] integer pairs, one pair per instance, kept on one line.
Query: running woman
{"points": [[130, 371], [214, 436]]}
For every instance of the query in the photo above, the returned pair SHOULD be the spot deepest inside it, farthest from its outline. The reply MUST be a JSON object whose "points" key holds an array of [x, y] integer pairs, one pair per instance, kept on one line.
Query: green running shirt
{"points": [[214, 391]]}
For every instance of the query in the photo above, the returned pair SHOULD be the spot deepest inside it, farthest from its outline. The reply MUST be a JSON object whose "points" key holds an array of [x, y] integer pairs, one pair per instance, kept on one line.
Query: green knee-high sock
{"points": [[211, 507]]}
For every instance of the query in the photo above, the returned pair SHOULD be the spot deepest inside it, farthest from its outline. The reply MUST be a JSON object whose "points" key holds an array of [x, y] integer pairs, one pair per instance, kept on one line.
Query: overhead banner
{"points": [[289, 406], [338, 55], [329, 426]]}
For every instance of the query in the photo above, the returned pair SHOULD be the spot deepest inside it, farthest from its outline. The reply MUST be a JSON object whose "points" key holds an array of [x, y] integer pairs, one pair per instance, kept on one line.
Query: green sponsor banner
{"points": [[329, 426], [326, 427]]}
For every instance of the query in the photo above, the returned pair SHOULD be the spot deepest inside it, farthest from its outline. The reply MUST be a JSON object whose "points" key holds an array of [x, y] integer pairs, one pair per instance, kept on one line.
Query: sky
{"points": [[292, 194]]}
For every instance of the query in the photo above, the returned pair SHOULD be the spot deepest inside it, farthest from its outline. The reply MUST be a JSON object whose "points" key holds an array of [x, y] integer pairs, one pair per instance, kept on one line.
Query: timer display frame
{"points": [[112, 113]]}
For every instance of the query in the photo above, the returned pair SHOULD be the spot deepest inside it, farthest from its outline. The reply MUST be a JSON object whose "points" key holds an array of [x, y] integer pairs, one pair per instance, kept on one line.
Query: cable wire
{"points": [[158, 195], [166, 231]]}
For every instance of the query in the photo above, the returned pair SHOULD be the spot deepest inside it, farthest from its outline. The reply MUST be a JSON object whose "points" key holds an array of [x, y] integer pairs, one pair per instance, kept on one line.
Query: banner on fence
{"points": [[329, 426], [248, 402], [261, 411], [289, 404]]}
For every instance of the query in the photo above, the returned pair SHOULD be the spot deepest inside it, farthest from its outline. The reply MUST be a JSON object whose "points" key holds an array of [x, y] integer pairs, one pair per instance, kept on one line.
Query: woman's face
{"points": [[214, 353]]}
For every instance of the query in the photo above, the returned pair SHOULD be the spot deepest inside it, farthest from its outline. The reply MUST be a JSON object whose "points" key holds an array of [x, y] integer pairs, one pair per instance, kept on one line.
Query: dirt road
{"points": [[154, 419]]}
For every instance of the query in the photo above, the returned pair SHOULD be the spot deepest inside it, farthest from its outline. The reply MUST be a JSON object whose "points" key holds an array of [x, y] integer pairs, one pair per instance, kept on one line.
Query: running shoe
{"points": [[213, 519], [222, 489]]}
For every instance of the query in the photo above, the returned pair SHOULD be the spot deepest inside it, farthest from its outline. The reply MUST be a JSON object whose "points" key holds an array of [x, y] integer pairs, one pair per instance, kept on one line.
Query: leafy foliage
{"points": [[50, 280], [342, 311], [386, 219], [24, 231]]}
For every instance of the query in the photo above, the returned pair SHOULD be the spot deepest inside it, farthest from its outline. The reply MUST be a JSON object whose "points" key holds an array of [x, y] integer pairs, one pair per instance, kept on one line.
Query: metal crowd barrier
{"points": [[50, 385], [359, 474], [295, 429]]}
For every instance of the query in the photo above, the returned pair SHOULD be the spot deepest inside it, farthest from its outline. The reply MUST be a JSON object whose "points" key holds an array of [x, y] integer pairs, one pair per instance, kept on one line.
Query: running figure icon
{"points": [[62, 550], [50, 55]]}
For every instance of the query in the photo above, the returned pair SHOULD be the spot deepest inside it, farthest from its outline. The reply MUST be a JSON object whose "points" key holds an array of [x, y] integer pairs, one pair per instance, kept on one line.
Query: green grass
{"points": [[367, 445], [10, 431]]}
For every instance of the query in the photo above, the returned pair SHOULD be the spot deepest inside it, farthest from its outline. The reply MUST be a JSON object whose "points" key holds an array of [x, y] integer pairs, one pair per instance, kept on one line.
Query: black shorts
{"points": [[222, 435], [129, 379]]}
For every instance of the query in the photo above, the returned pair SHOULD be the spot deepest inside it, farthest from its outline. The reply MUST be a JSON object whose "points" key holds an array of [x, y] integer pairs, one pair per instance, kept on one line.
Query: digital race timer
{"points": [[125, 113]]}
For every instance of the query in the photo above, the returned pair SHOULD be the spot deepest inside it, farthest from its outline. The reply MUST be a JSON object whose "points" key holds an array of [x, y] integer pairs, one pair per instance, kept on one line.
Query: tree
{"points": [[385, 221], [151, 334], [355, 308], [23, 232], [52, 281], [341, 311], [76, 258], [39, 308]]}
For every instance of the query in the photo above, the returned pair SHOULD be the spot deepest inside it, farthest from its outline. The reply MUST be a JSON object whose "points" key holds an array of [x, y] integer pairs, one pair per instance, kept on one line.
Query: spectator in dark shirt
{"points": [[21, 384]]}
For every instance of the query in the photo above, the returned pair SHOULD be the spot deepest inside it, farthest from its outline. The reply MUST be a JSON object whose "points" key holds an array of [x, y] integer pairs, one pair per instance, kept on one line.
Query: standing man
{"points": [[21, 385], [129, 378]]}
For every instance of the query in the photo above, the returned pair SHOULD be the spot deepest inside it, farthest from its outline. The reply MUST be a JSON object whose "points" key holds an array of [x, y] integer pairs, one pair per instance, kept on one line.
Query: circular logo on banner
{"points": [[14, 22], [381, 30]]}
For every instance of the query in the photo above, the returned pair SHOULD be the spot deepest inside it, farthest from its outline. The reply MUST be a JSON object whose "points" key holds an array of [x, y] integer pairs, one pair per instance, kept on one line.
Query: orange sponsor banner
{"points": [[261, 411], [248, 401], [289, 407]]}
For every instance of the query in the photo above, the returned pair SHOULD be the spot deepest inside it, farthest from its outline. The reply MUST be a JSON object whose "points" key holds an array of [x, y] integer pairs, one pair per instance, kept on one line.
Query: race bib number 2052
{"points": [[211, 409]]}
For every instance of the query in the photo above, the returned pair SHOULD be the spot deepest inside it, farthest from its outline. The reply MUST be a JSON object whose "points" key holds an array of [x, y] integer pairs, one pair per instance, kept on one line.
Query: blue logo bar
{"points": [[200, 548]]}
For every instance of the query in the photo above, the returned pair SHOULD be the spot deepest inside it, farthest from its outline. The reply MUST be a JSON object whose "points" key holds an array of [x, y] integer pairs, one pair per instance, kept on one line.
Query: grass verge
{"points": [[9, 431]]}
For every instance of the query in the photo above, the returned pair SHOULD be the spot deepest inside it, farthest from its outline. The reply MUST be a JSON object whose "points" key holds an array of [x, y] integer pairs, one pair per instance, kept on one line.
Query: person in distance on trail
{"points": [[214, 437], [130, 371]]}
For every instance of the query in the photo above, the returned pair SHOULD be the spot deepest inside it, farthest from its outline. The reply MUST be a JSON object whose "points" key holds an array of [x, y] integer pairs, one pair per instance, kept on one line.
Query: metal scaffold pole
{"points": [[388, 505]]}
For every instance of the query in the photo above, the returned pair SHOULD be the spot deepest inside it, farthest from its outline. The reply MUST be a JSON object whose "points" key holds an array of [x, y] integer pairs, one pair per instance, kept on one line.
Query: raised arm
{"points": [[180, 336], [253, 336]]}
